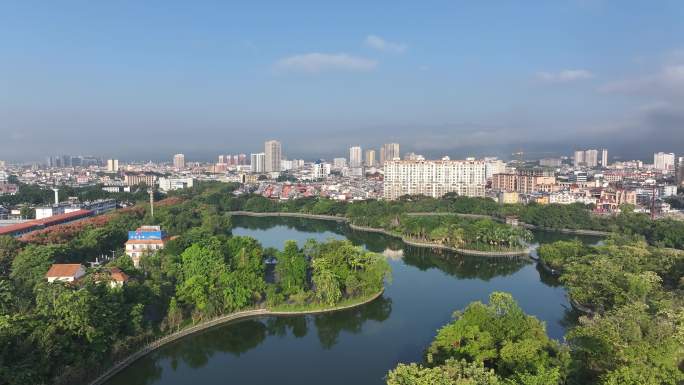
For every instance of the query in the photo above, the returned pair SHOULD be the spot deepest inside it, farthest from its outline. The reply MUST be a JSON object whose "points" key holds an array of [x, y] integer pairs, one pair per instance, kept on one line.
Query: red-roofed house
{"points": [[113, 276], [65, 272]]}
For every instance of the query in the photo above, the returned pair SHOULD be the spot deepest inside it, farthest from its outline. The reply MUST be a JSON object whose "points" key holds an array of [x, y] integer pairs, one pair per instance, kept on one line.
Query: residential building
{"points": [[320, 170], [113, 276], [370, 158], [355, 159], [525, 181], [494, 166], [339, 163], [434, 177], [604, 157], [679, 177], [258, 162], [389, 151], [179, 161], [272, 156], [664, 161], [591, 158], [65, 272], [134, 179], [579, 158], [113, 165], [143, 241]]}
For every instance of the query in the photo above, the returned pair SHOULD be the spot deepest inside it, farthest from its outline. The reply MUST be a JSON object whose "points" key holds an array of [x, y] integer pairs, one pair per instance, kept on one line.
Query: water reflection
{"points": [[428, 286], [423, 258]]}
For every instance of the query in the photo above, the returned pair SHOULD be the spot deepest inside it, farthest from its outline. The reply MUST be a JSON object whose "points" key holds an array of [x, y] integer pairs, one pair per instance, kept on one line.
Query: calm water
{"points": [[357, 346]]}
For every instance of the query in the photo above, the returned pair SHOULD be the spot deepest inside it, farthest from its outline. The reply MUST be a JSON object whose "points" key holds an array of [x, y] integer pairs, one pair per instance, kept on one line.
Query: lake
{"points": [[356, 346]]}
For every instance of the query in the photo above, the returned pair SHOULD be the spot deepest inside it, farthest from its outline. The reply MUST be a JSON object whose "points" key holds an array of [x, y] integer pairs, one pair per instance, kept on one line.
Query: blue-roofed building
{"points": [[145, 240]]}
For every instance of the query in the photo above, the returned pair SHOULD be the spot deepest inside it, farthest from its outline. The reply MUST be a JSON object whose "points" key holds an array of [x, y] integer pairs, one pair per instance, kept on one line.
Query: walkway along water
{"points": [[241, 315], [408, 241]]}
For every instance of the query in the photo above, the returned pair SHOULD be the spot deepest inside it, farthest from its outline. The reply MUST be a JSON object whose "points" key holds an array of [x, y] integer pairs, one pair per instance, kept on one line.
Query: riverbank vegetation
{"points": [[483, 234], [391, 215], [62, 333], [632, 332]]}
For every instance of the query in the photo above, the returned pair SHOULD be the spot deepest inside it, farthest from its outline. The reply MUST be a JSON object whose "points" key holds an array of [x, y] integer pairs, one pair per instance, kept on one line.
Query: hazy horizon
{"points": [[135, 81]]}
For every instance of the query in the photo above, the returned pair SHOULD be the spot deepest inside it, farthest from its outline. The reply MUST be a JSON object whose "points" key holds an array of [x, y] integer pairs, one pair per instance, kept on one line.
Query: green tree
{"points": [[9, 248], [325, 281], [453, 372], [291, 269]]}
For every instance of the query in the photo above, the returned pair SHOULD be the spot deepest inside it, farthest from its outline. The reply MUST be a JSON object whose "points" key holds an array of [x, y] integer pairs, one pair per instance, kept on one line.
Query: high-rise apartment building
{"points": [[370, 159], [604, 157], [112, 165], [525, 181], [389, 151], [579, 158], [679, 171], [179, 161], [273, 154], [591, 158], [434, 178], [355, 159], [258, 162], [664, 161]]}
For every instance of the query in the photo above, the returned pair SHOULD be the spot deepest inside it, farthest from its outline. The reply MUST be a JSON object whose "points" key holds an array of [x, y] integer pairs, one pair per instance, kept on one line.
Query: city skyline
{"points": [[236, 74]]}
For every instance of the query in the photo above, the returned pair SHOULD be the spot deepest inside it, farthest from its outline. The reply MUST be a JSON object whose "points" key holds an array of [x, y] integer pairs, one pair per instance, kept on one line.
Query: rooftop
{"points": [[63, 270]]}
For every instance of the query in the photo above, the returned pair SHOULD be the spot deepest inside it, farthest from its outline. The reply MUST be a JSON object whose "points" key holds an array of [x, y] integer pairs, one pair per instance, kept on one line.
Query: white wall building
{"points": [[355, 157], [339, 163], [113, 165], [494, 166], [168, 184], [179, 161], [320, 170], [273, 153], [258, 162], [434, 178], [663, 161]]}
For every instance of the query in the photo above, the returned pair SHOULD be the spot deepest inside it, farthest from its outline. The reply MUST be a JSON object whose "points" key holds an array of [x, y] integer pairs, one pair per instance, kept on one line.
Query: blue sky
{"points": [[146, 79]]}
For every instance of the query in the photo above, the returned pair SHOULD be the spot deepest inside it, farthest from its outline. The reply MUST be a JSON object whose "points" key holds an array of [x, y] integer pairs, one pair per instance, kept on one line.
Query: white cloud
{"points": [[666, 82], [380, 44], [318, 62], [565, 76]]}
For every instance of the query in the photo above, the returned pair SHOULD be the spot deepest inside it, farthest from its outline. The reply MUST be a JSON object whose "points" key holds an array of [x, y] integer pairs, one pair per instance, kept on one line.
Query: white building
{"points": [[370, 159], [65, 272], [168, 184], [339, 163], [355, 157], [320, 170], [113, 165], [272, 155], [604, 157], [579, 158], [143, 241], [664, 161], [179, 161], [591, 158], [389, 151], [494, 166], [258, 162], [434, 177]]}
